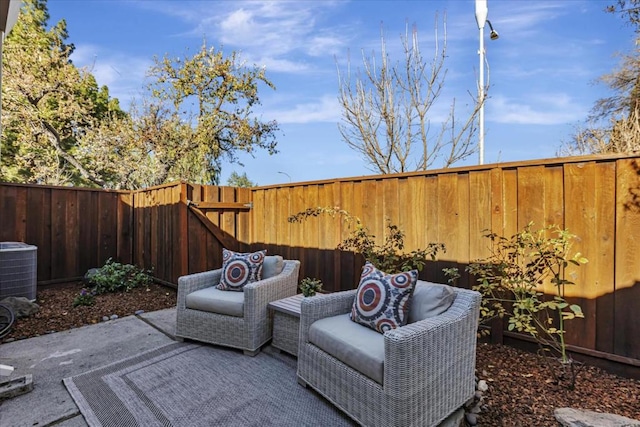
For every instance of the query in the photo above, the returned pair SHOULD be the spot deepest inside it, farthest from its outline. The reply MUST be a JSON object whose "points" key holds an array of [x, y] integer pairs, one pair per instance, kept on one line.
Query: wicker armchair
{"points": [[250, 330], [428, 368]]}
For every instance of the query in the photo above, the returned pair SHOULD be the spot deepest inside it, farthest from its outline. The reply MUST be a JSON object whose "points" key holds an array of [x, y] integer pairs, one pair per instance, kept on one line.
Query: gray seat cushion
{"points": [[272, 266], [429, 300], [216, 301], [353, 344]]}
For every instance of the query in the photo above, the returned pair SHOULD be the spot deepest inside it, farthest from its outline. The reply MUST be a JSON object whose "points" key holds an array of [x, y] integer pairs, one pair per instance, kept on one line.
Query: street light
{"points": [[481, 18], [286, 174]]}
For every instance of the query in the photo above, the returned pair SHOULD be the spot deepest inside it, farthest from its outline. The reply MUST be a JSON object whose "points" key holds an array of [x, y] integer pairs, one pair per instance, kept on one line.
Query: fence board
{"points": [[9, 231], [602, 257], [626, 327], [39, 228], [581, 220]]}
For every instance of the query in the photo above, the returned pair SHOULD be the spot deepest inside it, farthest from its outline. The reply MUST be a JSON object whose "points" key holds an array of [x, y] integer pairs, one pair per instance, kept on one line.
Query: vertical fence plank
{"points": [[296, 230], [448, 213], [59, 250], [39, 228], [531, 196], [125, 227], [627, 266], [602, 257], [580, 219], [198, 240], [348, 269], [244, 218], [87, 230], [8, 196], [283, 209], [480, 213]]}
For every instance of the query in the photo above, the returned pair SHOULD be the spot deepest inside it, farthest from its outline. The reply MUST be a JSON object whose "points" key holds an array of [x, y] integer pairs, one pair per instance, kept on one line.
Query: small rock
{"points": [[483, 386], [470, 402], [138, 312], [89, 274], [476, 409], [114, 317], [8, 340], [472, 419], [478, 395], [569, 417], [105, 318]]}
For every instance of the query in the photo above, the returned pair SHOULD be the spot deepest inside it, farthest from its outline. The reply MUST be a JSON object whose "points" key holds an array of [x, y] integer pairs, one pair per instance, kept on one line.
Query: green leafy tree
{"points": [[216, 95], [48, 104], [61, 128], [237, 180]]}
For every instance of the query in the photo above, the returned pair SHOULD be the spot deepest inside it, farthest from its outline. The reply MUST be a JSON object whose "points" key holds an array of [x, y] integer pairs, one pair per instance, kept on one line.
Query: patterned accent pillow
{"points": [[382, 300], [240, 269]]}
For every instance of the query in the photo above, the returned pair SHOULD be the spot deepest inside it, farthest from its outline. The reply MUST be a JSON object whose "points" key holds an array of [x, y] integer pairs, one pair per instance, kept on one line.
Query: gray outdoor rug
{"points": [[186, 384]]}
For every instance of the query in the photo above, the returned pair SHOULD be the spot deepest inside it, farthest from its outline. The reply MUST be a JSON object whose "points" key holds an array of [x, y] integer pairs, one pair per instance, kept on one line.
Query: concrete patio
{"points": [[50, 358]]}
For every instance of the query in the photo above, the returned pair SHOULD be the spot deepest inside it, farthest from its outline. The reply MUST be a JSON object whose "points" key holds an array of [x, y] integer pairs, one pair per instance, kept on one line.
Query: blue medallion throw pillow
{"points": [[382, 300], [240, 269]]}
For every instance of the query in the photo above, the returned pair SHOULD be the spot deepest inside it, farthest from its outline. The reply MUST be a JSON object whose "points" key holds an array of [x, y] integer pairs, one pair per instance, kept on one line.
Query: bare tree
{"points": [[387, 110], [613, 125]]}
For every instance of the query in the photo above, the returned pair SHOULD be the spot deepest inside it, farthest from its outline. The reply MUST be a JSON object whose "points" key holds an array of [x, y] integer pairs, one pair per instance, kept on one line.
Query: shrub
{"points": [[117, 277], [388, 257], [310, 286], [85, 297], [510, 279]]}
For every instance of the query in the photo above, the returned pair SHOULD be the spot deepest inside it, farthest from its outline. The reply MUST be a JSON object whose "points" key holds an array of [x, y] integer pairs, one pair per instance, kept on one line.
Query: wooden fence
{"points": [[180, 228], [596, 198], [74, 228]]}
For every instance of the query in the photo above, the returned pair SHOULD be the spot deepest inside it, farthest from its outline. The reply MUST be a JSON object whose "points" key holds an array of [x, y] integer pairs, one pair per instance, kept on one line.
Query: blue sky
{"points": [[542, 69]]}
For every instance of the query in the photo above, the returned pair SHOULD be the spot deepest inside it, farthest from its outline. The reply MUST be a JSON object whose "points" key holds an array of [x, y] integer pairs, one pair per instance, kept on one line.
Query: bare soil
{"points": [[58, 314], [521, 388]]}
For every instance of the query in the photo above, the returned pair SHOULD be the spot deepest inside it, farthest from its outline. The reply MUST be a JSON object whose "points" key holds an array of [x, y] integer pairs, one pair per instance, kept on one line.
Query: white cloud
{"points": [[279, 34], [326, 109], [541, 109]]}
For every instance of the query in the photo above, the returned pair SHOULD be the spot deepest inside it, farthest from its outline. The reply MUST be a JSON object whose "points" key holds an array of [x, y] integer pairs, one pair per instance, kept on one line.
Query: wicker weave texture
{"points": [[285, 332], [429, 365], [249, 332]]}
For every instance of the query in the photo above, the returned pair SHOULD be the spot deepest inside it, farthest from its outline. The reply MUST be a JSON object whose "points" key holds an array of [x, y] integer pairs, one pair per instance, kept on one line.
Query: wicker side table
{"points": [[286, 323]]}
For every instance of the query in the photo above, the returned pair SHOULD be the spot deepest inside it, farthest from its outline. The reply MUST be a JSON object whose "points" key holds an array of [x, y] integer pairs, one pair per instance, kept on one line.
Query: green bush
{"points": [[510, 280], [117, 277], [84, 298], [310, 286]]}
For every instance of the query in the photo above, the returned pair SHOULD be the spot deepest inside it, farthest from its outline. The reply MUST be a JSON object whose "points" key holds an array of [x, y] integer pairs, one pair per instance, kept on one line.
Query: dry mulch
{"points": [[521, 388], [58, 314], [522, 391]]}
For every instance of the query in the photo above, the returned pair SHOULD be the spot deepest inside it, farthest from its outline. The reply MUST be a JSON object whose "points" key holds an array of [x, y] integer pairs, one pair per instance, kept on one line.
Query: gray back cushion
{"points": [[272, 266], [430, 299]]}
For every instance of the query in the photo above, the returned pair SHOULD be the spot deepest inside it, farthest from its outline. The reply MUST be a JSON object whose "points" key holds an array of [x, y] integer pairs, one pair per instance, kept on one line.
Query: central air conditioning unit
{"points": [[18, 270]]}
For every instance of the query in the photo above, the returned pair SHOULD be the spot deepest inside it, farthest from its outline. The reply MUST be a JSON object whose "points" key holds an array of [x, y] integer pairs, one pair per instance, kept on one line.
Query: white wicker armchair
{"points": [[250, 330], [428, 369]]}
